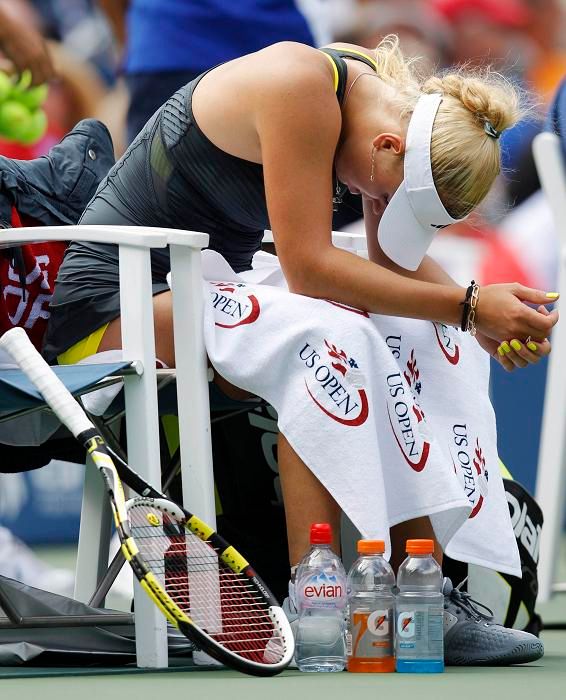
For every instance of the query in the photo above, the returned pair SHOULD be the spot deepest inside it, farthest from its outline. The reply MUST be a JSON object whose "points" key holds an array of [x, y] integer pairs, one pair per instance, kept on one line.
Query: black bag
{"points": [[511, 599]]}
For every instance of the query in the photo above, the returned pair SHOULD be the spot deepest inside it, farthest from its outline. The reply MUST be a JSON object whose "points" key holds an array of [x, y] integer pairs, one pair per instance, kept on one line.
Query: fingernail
{"points": [[506, 347], [552, 295], [532, 346], [500, 351], [516, 345]]}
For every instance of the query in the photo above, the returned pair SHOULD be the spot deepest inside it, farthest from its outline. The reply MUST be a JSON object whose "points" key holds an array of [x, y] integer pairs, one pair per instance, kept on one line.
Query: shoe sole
{"points": [[521, 654]]}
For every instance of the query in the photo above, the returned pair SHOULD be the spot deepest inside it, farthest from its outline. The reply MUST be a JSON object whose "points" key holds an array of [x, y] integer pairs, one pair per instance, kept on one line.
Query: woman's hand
{"points": [[501, 314], [516, 353]]}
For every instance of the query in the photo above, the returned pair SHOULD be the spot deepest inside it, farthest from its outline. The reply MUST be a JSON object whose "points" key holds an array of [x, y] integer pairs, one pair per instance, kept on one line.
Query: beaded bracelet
{"points": [[469, 308]]}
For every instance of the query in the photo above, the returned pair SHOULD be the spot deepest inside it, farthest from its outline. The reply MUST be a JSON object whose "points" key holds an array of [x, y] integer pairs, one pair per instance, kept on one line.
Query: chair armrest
{"points": [[341, 239], [190, 239], [130, 236]]}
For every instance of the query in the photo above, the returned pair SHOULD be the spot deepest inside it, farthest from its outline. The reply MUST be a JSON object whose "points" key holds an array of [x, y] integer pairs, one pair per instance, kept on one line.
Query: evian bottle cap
{"points": [[321, 533]]}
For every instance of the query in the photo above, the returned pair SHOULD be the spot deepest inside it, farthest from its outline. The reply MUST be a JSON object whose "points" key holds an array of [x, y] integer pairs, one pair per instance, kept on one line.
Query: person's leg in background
{"points": [[148, 91]]}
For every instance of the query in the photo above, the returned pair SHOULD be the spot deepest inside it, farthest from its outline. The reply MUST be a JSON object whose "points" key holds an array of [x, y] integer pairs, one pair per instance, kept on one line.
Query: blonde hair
{"points": [[465, 158]]}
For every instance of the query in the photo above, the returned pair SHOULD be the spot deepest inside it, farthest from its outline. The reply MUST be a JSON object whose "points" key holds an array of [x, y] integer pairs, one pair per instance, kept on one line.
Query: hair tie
{"points": [[490, 130]]}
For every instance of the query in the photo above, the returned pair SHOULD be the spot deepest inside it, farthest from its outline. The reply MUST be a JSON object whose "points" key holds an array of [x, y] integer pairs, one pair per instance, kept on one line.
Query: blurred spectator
{"points": [[167, 44], [529, 231], [489, 31], [496, 33], [422, 31], [81, 27], [21, 43], [76, 93], [547, 29]]}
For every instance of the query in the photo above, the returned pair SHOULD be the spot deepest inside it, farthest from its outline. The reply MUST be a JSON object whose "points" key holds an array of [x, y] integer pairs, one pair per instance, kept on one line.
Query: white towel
{"points": [[392, 415]]}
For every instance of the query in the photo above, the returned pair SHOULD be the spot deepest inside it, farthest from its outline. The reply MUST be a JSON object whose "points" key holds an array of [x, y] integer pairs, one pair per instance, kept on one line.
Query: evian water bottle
{"points": [[321, 598]]}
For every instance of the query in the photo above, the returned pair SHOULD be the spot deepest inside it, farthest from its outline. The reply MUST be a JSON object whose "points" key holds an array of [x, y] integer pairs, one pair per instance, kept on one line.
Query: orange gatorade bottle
{"points": [[371, 607]]}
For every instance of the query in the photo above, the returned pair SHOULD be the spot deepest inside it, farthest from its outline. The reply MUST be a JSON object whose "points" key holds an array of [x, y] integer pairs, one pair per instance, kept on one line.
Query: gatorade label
{"points": [[371, 634], [420, 632]]}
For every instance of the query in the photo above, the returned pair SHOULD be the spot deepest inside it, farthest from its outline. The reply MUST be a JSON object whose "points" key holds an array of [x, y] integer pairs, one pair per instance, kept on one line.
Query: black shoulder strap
{"points": [[336, 57]]}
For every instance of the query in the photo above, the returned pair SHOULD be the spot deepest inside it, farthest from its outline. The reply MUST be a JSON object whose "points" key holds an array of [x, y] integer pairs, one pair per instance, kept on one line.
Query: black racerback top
{"points": [[192, 176], [171, 176]]}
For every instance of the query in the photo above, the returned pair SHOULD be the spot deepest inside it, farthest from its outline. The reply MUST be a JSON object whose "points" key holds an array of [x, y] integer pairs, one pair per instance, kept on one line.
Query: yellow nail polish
{"points": [[552, 295], [516, 345], [506, 347], [532, 346], [500, 351]]}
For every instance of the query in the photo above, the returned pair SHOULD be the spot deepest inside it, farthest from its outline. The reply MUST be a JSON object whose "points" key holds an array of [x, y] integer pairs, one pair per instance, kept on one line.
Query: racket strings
{"points": [[225, 604]]}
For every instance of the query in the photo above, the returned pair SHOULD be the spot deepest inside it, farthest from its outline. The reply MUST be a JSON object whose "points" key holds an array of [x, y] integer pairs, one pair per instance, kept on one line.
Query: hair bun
{"points": [[487, 95]]}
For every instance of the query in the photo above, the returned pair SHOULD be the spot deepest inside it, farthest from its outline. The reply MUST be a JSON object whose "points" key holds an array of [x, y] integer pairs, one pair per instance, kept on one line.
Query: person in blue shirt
{"points": [[170, 43]]}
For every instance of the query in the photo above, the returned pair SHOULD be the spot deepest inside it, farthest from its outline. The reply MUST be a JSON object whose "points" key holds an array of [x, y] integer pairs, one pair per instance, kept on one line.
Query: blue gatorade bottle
{"points": [[420, 611]]}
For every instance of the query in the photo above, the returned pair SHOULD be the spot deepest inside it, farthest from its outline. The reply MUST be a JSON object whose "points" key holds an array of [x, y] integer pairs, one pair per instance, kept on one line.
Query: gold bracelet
{"points": [[471, 322]]}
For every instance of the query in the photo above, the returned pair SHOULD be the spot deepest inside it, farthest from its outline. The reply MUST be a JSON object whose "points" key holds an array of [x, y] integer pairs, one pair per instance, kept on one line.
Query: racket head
{"points": [[207, 589]]}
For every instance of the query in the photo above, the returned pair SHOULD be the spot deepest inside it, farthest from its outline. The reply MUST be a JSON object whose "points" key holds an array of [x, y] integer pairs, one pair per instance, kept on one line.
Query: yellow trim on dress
{"points": [[505, 473], [334, 69], [358, 53], [84, 348]]}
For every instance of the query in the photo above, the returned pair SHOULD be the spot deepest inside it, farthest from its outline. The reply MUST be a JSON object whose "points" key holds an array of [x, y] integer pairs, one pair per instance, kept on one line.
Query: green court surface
{"points": [[538, 681], [546, 679]]}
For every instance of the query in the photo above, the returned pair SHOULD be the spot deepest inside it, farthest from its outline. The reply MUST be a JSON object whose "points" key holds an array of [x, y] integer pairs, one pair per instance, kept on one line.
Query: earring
{"points": [[372, 164]]}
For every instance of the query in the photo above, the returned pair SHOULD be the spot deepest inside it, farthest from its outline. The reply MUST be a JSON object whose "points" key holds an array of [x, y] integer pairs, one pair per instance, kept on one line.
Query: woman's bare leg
{"points": [[306, 499], [306, 502], [420, 529], [164, 345]]}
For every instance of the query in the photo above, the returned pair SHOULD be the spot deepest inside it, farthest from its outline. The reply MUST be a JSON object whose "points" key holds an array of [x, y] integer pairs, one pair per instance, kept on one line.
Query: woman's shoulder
{"points": [[289, 58], [293, 69]]}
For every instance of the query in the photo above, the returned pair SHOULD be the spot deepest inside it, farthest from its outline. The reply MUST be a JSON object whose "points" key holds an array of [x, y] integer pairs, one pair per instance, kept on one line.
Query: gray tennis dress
{"points": [[171, 176]]}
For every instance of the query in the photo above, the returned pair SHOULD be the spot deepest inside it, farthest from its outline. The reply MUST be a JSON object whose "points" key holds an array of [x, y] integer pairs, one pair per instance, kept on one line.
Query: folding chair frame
{"points": [[138, 345], [551, 471]]}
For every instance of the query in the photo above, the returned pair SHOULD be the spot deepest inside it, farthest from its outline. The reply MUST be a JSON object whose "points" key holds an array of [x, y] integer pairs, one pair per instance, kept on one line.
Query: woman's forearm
{"points": [[344, 277]]}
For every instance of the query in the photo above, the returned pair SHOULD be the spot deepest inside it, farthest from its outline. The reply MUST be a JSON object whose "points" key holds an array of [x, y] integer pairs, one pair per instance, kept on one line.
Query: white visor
{"points": [[415, 213]]}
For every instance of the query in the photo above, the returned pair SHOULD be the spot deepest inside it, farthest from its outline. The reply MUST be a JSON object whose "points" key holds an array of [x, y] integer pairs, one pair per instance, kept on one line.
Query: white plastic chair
{"points": [[551, 471], [142, 427]]}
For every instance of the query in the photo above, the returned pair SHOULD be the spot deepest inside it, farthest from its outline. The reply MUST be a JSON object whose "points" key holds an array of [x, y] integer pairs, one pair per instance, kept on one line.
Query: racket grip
{"points": [[56, 395]]}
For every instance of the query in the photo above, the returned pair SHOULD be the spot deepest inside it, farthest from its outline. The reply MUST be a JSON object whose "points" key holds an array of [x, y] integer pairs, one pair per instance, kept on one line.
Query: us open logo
{"points": [[447, 341], [335, 384], [233, 306], [470, 466], [406, 417]]}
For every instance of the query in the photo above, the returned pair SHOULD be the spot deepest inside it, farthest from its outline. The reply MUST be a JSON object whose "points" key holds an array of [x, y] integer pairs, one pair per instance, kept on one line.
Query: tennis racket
{"points": [[202, 585]]}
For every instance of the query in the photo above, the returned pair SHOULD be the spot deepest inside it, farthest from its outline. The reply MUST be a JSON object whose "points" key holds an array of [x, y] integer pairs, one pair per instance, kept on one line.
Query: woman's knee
{"points": [[163, 330]]}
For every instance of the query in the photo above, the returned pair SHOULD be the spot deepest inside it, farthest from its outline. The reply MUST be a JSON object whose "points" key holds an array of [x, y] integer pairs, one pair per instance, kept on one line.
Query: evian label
{"points": [[406, 417], [335, 383], [447, 338], [233, 305], [470, 466], [321, 590]]}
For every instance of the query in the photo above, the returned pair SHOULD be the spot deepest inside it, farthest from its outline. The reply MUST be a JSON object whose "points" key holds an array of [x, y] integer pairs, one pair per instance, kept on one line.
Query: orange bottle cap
{"points": [[420, 546], [371, 546]]}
